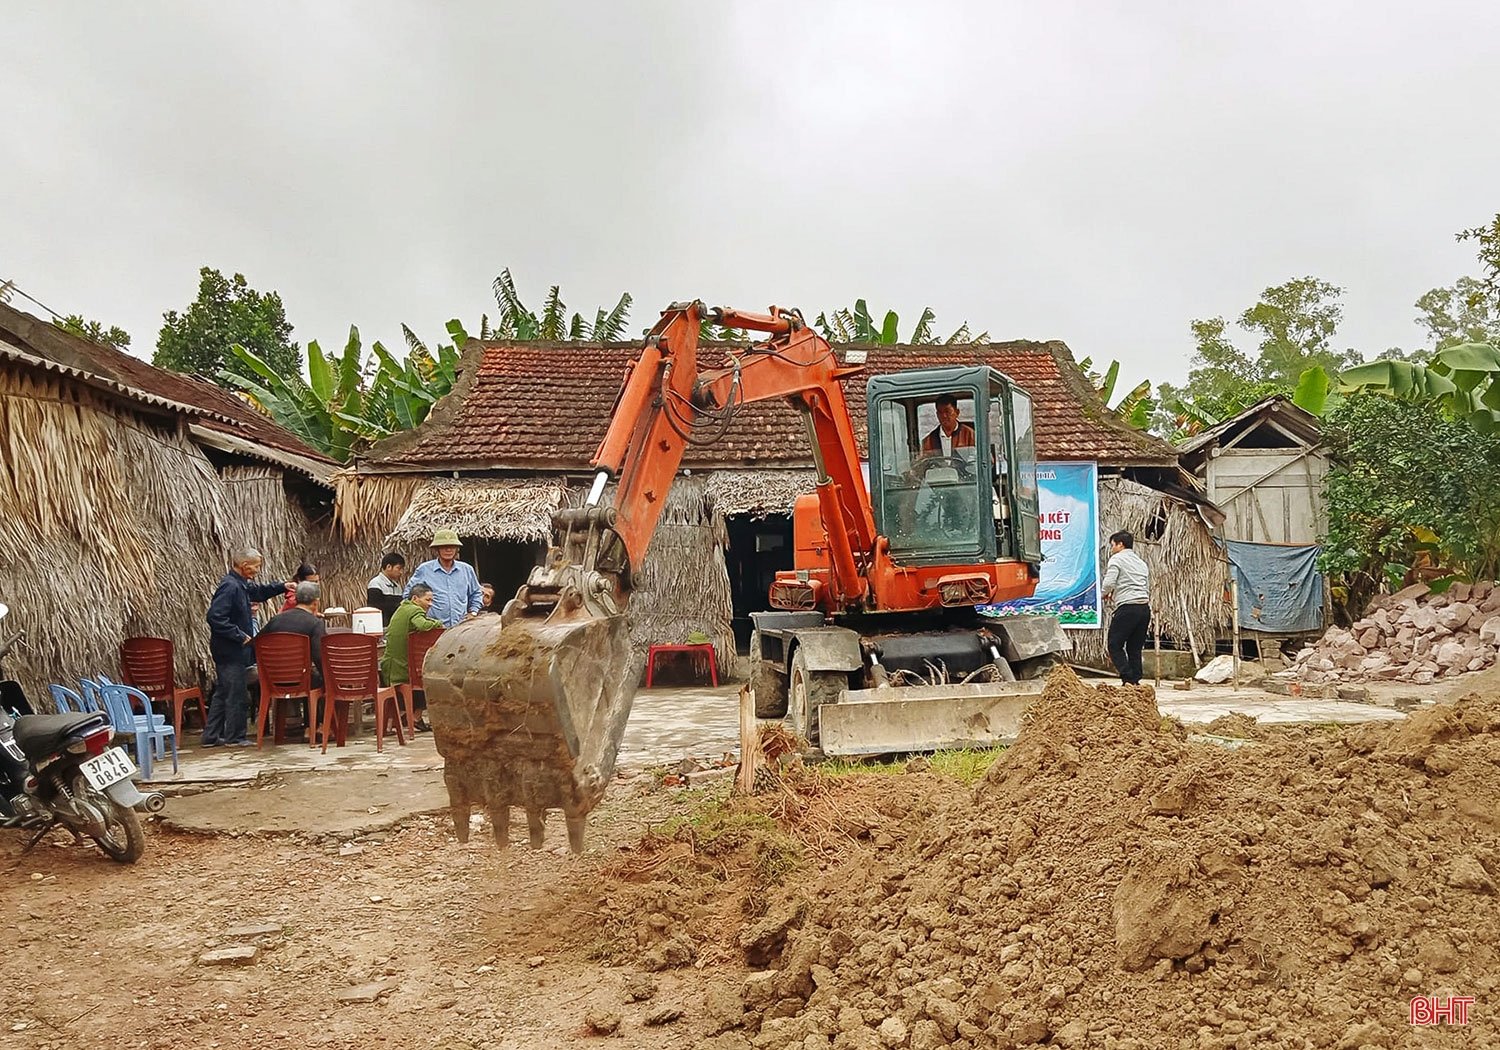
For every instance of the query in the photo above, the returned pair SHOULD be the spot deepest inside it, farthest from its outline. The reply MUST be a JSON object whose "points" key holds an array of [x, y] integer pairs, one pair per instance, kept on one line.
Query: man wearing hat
{"points": [[455, 588]]}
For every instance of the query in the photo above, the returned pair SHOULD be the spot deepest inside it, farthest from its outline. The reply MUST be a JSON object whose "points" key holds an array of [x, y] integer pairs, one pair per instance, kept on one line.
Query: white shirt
{"points": [[385, 585], [1128, 578]]}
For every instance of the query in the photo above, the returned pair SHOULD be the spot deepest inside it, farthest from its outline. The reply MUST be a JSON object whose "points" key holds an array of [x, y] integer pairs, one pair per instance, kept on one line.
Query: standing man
{"points": [[383, 592], [230, 629], [455, 588], [1127, 581]]}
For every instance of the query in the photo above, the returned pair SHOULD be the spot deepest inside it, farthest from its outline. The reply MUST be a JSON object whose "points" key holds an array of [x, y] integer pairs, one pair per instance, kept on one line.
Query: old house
{"points": [[1265, 469], [123, 489], [512, 443]]}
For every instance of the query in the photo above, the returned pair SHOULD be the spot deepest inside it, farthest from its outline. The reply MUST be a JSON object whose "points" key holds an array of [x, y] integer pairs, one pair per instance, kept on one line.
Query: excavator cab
{"points": [[953, 466]]}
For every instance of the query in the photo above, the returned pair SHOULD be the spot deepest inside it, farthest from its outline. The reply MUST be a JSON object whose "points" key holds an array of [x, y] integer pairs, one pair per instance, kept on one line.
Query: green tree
{"points": [[114, 335], [1408, 479], [1487, 242], [1465, 313], [1135, 405], [227, 311], [1293, 325]]}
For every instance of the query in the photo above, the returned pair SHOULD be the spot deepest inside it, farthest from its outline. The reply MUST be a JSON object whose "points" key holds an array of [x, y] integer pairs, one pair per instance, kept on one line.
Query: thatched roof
{"points": [[757, 492], [220, 419], [485, 508]]}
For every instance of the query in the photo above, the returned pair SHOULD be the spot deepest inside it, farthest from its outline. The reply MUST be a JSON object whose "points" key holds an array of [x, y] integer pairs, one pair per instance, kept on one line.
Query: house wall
{"points": [[1284, 499]]}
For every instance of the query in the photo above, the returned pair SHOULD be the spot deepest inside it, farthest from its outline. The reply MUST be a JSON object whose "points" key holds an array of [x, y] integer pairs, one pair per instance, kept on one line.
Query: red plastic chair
{"points": [[283, 662], [149, 664], [351, 675], [417, 644]]}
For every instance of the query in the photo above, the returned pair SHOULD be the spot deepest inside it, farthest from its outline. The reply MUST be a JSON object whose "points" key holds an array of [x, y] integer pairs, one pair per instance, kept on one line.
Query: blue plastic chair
{"points": [[65, 700], [93, 699], [150, 731]]}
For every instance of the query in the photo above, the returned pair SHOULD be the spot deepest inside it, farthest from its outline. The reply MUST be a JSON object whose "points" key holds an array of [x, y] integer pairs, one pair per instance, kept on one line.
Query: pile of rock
{"points": [[1411, 636]]}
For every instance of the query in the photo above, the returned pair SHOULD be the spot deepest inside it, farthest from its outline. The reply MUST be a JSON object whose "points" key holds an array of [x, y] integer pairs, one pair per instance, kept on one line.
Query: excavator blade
{"points": [[924, 718], [530, 713]]}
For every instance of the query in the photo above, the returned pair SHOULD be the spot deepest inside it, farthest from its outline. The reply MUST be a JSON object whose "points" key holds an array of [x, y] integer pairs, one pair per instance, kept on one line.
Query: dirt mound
{"points": [[1236, 726], [1110, 884]]}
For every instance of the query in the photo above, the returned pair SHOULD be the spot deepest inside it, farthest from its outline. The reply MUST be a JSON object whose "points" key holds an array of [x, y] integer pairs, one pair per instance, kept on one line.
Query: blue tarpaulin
{"points": [[1281, 589]]}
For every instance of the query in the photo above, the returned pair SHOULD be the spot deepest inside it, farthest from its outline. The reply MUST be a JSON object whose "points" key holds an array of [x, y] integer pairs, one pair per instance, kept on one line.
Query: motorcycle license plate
{"points": [[109, 768]]}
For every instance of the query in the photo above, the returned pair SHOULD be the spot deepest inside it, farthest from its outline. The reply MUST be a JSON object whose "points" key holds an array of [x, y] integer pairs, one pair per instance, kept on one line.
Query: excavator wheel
{"points": [[766, 683], [806, 692]]}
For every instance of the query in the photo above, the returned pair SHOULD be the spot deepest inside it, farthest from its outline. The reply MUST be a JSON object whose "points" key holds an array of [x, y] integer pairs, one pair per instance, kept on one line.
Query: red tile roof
{"points": [[212, 406], [547, 405]]}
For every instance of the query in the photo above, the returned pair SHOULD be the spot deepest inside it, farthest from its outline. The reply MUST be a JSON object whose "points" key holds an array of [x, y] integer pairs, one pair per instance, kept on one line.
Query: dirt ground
{"points": [[105, 955], [1106, 883]]}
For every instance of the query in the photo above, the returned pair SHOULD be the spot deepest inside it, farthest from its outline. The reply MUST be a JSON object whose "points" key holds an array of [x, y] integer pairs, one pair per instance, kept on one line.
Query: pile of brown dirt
{"points": [[1112, 885], [1237, 726]]}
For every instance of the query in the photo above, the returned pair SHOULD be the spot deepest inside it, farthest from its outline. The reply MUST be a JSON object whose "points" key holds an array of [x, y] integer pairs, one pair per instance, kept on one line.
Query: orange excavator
{"points": [[875, 641]]}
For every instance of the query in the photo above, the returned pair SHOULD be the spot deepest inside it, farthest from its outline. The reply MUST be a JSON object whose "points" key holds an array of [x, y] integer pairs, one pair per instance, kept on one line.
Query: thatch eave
{"points": [[137, 397], [757, 492], [480, 508], [318, 472]]}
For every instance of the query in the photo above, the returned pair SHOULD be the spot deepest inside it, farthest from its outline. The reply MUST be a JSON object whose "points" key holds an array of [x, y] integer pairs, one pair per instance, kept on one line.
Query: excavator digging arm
{"points": [[667, 403]]}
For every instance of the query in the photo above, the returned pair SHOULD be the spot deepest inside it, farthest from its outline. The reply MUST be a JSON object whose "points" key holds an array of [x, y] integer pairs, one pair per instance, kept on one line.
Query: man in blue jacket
{"points": [[230, 629]]}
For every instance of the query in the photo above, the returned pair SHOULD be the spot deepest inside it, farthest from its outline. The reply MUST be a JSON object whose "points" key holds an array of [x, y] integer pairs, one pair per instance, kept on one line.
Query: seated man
{"points": [[947, 508], [410, 615], [303, 618], [949, 434]]}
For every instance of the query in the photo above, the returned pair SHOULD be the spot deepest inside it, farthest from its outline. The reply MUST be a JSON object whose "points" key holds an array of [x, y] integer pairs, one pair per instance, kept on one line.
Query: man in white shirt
{"points": [[1127, 581], [383, 592]]}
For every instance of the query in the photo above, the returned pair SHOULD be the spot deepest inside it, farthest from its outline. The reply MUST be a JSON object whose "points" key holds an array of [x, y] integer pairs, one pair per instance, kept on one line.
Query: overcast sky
{"points": [[1093, 172]]}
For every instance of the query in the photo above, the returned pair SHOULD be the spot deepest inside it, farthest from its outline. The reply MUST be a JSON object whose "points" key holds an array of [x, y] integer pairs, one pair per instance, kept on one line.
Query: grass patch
{"points": [[722, 834], [966, 765]]}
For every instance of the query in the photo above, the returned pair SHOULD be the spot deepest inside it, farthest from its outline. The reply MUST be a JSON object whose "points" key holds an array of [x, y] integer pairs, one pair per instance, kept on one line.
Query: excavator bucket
{"points": [[529, 712]]}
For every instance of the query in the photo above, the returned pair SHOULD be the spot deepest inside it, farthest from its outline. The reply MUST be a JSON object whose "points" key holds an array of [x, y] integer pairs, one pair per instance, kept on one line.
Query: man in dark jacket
{"points": [[230, 629], [303, 618]]}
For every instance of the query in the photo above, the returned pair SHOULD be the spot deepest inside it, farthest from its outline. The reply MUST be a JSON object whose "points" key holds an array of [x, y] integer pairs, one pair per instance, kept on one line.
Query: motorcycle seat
{"points": [[40, 736]]}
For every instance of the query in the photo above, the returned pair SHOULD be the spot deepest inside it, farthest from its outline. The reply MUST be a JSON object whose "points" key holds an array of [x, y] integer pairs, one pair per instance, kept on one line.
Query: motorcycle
{"points": [[61, 770]]}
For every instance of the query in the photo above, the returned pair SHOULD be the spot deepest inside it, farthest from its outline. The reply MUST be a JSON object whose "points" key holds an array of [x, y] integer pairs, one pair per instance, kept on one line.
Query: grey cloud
{"points": [[1097, 173]]}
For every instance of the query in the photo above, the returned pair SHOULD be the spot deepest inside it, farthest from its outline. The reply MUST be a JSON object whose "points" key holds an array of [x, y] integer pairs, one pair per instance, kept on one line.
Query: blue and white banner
{"points": [[1068, 497]]}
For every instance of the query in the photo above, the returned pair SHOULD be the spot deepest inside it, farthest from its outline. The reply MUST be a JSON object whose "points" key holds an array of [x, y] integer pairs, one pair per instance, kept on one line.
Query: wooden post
{"points": [[1234, 598], [750, 754], [1192, 641], [1157, 633]]}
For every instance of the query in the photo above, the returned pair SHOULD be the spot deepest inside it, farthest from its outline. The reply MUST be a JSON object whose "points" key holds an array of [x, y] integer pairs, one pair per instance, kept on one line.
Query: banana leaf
{"points": [[1311, 393], [319, 374]]}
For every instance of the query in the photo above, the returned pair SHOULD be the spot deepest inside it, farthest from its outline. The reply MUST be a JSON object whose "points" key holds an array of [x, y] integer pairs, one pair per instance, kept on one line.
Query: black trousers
{"points": [[1127, 637]]}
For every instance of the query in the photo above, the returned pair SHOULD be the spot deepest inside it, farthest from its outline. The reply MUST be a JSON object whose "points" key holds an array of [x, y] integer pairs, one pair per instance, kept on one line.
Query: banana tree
{"points": [[1135, 406], [858, 326], [347, 402], [519, 322], [1464, 380]]}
